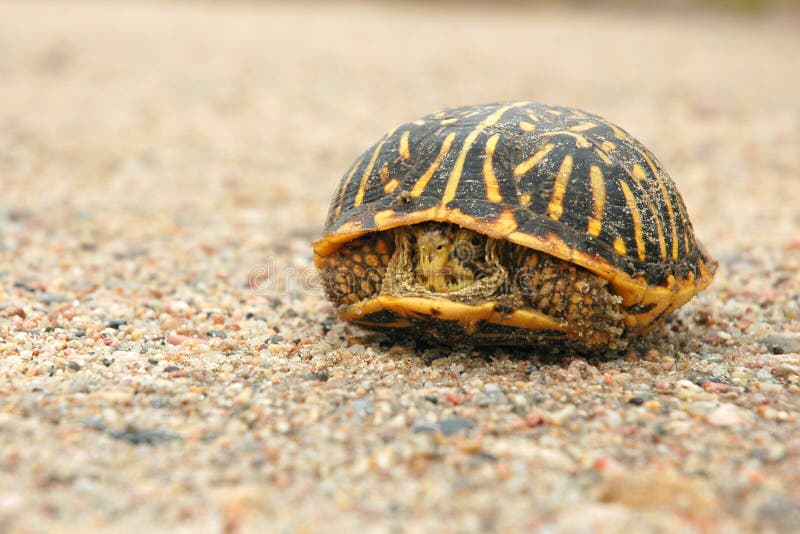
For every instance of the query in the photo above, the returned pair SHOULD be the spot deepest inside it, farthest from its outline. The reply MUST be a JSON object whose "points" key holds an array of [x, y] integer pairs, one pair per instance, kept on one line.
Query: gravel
{"points": [[168, 362]]}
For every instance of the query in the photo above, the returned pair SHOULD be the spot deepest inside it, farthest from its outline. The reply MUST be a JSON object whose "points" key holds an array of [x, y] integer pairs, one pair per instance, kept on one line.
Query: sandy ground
{"points": [[156, 160]]}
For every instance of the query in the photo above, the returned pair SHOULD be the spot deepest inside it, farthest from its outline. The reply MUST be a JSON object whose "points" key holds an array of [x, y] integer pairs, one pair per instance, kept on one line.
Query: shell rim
{"points": [[655, 300]]}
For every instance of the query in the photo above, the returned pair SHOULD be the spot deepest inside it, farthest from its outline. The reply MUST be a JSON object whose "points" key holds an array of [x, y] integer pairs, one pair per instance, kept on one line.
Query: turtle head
{"points": [[439, 266]]}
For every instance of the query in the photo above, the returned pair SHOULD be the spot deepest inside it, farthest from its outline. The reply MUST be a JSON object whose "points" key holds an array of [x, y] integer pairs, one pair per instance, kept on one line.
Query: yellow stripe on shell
{"points": [[582, 127], [489, 178], [603, 156], [599, 200], [391, 185], [458, 166], [665, 194], [619, 133], [468, 315], [532, 161], [619, 246], [526, 126], [637, 173], [422, 183], [363, 186], [505, 223], [472, 113], [344, 187], [608, 146], [403, 149], [662, 244], [636, 216], [556, 206], [684, 224], [580, 141]]}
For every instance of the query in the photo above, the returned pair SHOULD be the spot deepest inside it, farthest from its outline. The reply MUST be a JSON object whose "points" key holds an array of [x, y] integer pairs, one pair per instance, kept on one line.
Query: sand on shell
{"points": [[168, 363]]}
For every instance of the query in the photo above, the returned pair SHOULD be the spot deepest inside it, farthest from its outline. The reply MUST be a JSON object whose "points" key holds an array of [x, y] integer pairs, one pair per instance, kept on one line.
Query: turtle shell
{"points": [[558, 180]]}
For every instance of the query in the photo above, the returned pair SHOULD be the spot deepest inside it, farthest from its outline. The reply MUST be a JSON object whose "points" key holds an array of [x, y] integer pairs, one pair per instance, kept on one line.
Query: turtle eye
{"points": [[476, 241], [440, 247]]}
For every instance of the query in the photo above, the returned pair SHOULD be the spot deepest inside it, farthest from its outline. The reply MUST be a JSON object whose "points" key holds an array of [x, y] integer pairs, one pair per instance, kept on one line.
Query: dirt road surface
{"points": [[158, 159]]}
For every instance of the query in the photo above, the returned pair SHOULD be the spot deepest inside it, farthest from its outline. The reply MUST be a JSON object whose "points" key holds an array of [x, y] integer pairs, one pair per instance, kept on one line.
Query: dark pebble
{"points": [[153, 361], [636, 401], [449, 427], [116, 323], [700, 380], [171, 369], [131, 254], [75, 366], [217, 333], [94, 422], [319, 377], [327, 324], [277, 338], [160, 402], [48, 298], [425, 428], [107, 361], [363, 407], [486, 456], [15, 214], [24, 285], [521, 411], [431, 399], [492, 398], [144, 437], [78, 333]]}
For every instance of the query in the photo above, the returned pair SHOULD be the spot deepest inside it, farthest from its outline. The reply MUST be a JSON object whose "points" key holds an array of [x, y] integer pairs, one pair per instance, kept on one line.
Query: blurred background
{"points": [[209, 113], [153, 154]]}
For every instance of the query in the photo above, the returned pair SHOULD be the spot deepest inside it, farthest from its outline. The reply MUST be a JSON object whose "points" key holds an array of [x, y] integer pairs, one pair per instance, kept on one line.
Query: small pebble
{"points": [[449, 427], [726, 414], [782, 343], [784, 370], [533, 419]]}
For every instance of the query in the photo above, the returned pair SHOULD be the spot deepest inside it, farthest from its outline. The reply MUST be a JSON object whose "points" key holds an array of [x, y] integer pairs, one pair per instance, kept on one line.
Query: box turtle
{"points": [[513, 224]]}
